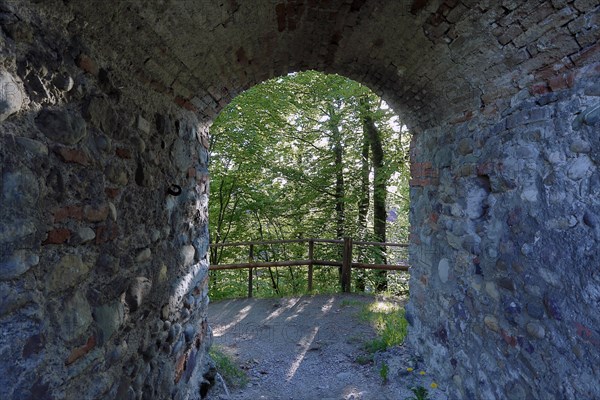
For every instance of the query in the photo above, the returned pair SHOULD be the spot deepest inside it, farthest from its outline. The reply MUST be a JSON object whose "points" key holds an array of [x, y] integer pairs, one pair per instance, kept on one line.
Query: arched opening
{"points": [[502, 98], [296, 163], [308, 156]]}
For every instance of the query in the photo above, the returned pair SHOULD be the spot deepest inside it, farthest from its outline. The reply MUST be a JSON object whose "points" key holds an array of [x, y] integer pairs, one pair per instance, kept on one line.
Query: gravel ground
{"points": [[307, 347]]}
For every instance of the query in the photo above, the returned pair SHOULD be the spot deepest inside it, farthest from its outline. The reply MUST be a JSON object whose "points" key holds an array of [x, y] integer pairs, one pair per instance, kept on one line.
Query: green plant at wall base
{"points": [[231, 373], [419, 393], [389, 322], [383, 371]]}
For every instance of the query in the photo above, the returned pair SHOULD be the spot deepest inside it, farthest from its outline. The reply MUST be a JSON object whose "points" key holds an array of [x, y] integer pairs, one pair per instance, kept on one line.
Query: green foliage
{"points": [[419, 393], [389, 322], [364, 359], [273, 176], [233, 375], [383, 371]]}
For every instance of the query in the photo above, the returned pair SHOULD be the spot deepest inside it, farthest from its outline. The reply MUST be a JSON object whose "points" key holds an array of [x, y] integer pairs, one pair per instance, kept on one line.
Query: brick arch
{"points": [[503, 100], [433, 58]]}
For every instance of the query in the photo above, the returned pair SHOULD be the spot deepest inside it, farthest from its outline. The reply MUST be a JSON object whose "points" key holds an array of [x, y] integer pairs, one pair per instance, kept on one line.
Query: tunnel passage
{"points": [[104, 114]]}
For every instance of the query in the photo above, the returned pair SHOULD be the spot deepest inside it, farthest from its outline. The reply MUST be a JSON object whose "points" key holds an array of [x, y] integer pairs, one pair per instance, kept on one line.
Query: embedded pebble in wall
{"points": [[137, 292], [17, 264], [143, 256], [11, 96], [187, 255], [443, 270], [113, 211], [72, 316], [143, 124], [536, 330], [61, 126], [70, 270], [63, 81], [116, 175], [35, 147], [579, 168], [492, 323], [20, 189], [109, 318], [84, 235]]}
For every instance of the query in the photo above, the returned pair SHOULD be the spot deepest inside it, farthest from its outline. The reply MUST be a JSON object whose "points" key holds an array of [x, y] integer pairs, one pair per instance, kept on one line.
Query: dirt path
{"points": [[307, 347]]}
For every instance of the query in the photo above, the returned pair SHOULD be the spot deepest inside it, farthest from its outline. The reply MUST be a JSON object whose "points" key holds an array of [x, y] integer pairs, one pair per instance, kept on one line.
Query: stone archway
{"points": [[104, 182]]}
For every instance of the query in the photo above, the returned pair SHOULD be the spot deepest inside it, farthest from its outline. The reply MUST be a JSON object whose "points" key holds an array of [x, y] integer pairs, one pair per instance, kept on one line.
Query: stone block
{"points": [[137, 292], [11, 96], [33, 146], [69, 271], [57, 236], [72, 317], [61, 126], [70, 155], [20, 189], [96, 213], [17, 264], [109, 318]]}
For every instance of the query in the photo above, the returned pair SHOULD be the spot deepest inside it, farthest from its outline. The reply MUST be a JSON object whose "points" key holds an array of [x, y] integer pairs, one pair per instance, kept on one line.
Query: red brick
{"points": [[81, 351], [95, 213], [86, 63], [180, 101], [509, 339], [540, 88], [106, 233], [58, 236], [123, 153], [180, 367], [562, 81], [61, 214], [73, 156], [112, 192]]}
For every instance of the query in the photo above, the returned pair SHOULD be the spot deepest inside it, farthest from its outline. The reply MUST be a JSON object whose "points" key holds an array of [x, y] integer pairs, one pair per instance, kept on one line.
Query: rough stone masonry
{"points": [[104, 115]]}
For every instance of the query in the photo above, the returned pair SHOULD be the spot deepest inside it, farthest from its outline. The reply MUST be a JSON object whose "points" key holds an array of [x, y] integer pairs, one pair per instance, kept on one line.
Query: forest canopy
{"points": [[307, 155]]}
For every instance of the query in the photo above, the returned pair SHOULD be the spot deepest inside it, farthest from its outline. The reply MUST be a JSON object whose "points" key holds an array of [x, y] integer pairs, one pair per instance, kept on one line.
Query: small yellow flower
{"points": [[422, 373], [409, 369], [433, 385]]}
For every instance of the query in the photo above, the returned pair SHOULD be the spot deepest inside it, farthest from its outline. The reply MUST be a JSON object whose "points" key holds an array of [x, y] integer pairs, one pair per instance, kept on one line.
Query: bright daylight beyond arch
{"points": [[307, 155]]}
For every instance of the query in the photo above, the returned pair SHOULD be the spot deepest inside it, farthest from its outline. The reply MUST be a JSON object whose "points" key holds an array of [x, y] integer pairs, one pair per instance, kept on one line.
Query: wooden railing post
{"points": [[346, 264], [311, 249], [250, 260]]}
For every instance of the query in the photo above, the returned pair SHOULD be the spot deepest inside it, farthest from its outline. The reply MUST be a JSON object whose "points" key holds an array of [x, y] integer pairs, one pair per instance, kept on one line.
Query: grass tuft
{"points": [[388, 320], [234, 376]]}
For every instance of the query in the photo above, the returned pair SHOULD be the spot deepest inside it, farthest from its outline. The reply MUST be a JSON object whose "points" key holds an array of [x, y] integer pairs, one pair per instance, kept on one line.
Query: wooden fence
{"points": [[347, 263]]}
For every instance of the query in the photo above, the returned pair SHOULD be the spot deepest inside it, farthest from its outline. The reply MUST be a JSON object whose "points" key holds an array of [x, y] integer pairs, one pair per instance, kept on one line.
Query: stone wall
{"points": [[505, 284], [104, 108], [103, 227]]}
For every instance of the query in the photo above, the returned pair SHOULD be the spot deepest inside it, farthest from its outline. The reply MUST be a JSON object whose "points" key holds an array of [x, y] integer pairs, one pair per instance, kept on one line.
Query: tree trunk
{"points": [[338, 152], [379, 194], [363, 209]]}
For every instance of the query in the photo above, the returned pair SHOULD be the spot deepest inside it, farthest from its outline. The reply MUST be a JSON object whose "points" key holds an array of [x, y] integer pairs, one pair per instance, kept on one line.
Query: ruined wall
{"points": [[505, 278], [103, 272]]}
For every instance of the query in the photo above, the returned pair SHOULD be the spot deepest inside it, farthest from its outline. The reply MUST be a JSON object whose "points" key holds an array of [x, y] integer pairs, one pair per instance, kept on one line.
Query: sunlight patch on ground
{"points": [[380, 306], [221, 330], [304, 344], [280, 310], [327, 307]]}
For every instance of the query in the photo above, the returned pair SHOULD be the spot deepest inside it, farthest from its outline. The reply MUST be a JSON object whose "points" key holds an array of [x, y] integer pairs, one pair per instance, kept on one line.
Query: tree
{"points": [[284, 160]]}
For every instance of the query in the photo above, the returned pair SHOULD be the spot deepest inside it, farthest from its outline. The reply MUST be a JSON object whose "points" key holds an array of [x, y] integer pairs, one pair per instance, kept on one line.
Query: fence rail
{"points": [[346, 264]]}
